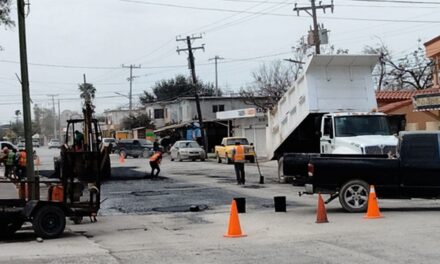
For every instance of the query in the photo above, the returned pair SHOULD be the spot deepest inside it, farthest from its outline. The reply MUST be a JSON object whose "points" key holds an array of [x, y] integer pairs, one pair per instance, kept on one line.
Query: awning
{"points": [[172, 127]]}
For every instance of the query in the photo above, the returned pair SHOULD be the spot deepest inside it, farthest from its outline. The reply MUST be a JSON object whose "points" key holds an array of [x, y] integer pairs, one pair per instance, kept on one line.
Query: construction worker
{"points": [[239, 160], [155, 160], [8, 160], [21, 164]]}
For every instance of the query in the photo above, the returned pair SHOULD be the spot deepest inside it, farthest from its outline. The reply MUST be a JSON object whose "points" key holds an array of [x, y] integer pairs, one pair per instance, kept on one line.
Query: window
{"points": [[328, 128], [218, 108], [158, 113]]}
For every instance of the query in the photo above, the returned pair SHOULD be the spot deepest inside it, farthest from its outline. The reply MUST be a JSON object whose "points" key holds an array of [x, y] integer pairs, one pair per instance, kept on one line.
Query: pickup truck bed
{"points": [[414, 173]]}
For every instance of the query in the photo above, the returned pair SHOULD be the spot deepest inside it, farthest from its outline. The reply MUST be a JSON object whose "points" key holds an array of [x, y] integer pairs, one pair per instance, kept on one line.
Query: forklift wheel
{"points": [[49, 221]]}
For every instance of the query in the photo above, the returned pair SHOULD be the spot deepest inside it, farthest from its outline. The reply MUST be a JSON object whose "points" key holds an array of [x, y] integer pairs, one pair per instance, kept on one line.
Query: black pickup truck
{"points": [[413, 173]]}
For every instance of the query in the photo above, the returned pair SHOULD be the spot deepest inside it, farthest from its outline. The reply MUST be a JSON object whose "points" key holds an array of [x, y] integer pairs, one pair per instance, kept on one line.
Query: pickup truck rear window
{"points": [[242, 141], [422, 147]]}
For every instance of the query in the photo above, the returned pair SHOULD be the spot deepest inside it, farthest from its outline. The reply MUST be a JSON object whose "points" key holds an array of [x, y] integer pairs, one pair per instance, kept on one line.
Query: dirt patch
{"points": [[254, 186]]}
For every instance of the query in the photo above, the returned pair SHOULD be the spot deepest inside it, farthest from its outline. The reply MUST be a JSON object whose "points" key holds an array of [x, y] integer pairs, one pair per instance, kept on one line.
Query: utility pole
{"points": [[59, 120], [192, 67], [130, 79], [55, 134], [216, 58], [33, 180], [313, 7]]}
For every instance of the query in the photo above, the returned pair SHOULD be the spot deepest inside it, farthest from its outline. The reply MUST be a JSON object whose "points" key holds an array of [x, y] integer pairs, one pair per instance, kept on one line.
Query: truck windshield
{"points": [[351, 126], [232, 141]]}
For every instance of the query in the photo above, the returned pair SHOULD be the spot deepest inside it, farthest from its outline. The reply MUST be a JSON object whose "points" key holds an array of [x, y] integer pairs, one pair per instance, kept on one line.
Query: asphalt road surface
{"points": [[148, 220]]}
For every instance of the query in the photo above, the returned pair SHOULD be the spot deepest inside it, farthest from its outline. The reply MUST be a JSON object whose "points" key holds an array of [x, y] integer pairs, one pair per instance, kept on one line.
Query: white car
{"points": [[54, 143], [187, 149]]}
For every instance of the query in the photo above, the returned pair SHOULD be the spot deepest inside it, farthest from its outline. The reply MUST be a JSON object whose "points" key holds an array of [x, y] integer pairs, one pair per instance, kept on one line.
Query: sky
{"points": [[69, 38]]}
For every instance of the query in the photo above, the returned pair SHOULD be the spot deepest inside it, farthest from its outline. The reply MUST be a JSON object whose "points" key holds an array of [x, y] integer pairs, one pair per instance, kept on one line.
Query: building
{"points": [[432, 48], [178, 119]]}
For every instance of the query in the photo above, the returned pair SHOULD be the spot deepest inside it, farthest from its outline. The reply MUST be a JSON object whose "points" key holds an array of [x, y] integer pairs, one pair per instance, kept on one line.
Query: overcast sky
{"points": [[71, 37]]}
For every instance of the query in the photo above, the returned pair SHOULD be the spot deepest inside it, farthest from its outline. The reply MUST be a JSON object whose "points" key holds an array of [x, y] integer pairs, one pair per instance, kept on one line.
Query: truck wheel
{"points": [[353, 196], [219, 160], [281, 178], [49, 221], [252, 160], [123, 154]]}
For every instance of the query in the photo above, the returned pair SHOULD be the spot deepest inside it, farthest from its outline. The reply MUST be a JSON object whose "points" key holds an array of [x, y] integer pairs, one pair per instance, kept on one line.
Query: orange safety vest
{"points": [[22, 159], [239, 153], [155, 157]]}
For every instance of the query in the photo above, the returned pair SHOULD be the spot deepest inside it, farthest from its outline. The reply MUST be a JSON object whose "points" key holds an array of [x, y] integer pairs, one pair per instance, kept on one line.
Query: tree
{"points": [[167, 90], [5, 19], [141, 120], [87, 91], [5, 9], [269, 84], [412, 71]]}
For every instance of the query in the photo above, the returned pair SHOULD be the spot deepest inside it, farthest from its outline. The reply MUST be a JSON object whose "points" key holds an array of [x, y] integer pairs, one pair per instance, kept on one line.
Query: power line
{"points": [[279, 14]]}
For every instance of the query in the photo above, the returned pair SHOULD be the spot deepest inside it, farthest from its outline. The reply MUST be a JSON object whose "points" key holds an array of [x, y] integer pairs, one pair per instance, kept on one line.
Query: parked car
{"points": [[21, 145], [35, 143], [54, 143], [7, 144], [134, 148], [106, 142], [187, 149]]}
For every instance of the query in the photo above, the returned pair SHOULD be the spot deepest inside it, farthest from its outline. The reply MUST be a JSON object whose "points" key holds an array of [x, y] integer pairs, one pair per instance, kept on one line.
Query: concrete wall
{"points": [[417, 120], [254, 129]]}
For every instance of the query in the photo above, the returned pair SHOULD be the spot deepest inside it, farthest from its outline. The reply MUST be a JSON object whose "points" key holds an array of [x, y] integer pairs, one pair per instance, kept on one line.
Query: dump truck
{"points": [[331, 108]]}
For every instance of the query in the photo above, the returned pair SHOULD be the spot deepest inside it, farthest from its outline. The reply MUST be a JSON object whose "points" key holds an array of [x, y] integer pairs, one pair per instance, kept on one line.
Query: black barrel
{"points": [[280, 203], [241, 205]]}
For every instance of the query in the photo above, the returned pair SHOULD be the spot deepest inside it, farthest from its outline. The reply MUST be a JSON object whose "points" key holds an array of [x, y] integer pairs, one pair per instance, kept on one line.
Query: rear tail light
{"points": [[310, 169]]}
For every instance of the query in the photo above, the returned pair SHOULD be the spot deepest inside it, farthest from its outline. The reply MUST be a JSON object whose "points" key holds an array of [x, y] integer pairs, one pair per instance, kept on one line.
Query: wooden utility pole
{"points": [[130, 79], [55, 134], [313, 7], [192, 67], [216, 58], [33, 180]]}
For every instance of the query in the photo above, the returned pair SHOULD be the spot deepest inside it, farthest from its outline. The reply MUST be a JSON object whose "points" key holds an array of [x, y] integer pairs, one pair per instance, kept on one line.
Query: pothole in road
{"points": [[180, 187], [181, 208], [253, 186], [149, 193]]}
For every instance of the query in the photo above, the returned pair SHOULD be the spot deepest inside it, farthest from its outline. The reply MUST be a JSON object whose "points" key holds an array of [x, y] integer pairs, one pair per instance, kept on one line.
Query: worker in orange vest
{"points": [[238, 157], [155, 160], [21, 164]]}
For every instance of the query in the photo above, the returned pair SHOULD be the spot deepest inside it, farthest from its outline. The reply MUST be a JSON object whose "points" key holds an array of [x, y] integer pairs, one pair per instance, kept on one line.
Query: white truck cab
{"points": [[356, 133]]}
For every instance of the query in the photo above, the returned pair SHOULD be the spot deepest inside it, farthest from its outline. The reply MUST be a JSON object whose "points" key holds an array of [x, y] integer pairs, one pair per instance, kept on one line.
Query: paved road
{"points": [[148, 221]]}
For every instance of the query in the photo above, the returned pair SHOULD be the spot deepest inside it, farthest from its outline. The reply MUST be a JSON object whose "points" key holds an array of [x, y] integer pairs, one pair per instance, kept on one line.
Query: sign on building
{"points": [[426, 102]]}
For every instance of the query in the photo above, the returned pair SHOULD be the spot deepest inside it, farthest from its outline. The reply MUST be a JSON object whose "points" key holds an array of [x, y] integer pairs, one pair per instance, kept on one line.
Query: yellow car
{"points": [[224, 151]]}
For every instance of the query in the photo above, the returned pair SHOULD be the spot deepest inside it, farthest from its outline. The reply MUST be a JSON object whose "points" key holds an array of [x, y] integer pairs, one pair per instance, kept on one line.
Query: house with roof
{"points": [[415, 109]]}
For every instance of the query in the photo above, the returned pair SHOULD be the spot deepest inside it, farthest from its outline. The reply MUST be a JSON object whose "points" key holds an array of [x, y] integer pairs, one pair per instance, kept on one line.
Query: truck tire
{"points": [[353, 196], [219, 160], [123, 154], [49, 221], [281, 178]]}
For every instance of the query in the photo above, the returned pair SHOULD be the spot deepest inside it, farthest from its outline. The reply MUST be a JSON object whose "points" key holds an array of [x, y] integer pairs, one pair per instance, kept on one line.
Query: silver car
{"points": [[187, 149]]}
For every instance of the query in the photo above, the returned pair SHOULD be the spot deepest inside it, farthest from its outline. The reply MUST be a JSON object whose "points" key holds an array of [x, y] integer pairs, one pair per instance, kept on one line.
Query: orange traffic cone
{"points": [[121, 159], [234, 229], [373, 209], [321, 214]]}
